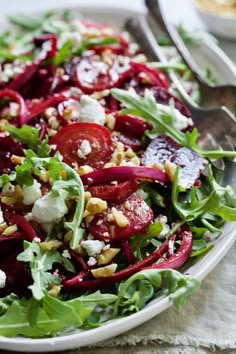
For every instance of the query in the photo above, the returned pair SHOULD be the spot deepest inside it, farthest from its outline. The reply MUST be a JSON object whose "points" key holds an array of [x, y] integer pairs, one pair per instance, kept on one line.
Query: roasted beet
{"points": [[118, 192], [18, 275], [130, 130], [8, 147], [134, 209], [164, 148]]}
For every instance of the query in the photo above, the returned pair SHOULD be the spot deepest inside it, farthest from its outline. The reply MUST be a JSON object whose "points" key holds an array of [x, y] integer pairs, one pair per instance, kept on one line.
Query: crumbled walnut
{"points": [[95, 206], [170, 170], [17, 160], [107, 255], [54, 291], [10, 230], [50, 245], [110, 121], [118, 217], [104, 272], [83, 170]]}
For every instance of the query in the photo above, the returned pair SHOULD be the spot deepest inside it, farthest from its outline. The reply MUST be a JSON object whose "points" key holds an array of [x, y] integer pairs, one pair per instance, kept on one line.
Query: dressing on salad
{"points": [[105, 192]]}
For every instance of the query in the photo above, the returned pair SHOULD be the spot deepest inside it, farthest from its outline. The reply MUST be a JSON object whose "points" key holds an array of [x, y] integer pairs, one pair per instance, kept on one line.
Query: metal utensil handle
{"points": [[156, 11], [140, 30]]}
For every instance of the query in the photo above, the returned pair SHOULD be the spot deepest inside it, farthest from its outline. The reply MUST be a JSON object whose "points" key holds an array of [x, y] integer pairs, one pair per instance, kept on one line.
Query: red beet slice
{"points": [[8, 147], [116, 192], [18, 274], [130, 130], [164, 148], [133, 208]]}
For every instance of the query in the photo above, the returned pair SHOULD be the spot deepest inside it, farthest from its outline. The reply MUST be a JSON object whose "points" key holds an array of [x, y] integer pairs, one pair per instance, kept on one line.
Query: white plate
{"points": [[117, 15]]}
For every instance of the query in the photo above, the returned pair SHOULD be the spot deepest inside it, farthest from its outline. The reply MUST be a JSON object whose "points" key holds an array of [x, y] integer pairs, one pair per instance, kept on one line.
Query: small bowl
{"points": [[222, 25]]}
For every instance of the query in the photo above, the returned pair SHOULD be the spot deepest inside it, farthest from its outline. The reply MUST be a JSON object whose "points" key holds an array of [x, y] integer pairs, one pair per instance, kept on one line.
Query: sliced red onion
{"points": [[123, 173]]}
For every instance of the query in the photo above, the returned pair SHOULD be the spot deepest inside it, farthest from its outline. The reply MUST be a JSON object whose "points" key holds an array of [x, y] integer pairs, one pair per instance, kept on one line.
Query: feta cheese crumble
{"points": [[3, 279], [50, 209], [92, 247], [91, 111], [84, 150], [31, 193], [91, 261]]}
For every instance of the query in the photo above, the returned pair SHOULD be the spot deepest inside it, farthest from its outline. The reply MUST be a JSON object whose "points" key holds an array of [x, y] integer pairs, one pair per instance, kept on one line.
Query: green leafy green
{"points": [[40, 263], [219, 201], [26, 22], [200, 247], [87, 43], [29, 136], [15, 321], [141, 240], [49, 23], [63, 53], [136, 291]]}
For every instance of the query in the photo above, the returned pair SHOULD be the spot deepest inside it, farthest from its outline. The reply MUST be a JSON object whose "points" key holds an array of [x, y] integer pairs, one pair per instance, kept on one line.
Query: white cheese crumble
{"points": [[91, 111], [84, 150], [66, 254], [31, 193], [180, 121], [92, 247], [91, 261], [3, 279], [1, 216], [50, 209], [163, 220]]}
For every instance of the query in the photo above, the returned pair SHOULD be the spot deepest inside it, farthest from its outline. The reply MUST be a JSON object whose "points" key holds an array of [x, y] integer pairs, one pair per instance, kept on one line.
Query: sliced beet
{"points": [[18, 275], [116, 192], [137, 212], [8, 147], [132, 125], [164, 148]]}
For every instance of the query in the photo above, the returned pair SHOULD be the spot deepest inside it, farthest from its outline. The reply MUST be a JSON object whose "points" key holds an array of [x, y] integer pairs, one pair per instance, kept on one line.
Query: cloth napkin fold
{"points": [[206, 324]]}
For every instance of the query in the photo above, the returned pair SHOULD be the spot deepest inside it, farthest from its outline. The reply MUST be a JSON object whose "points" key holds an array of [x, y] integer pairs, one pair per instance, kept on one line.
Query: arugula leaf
{"points": [[15, 322], [6, 302], [220, 201], [26, 22], [87, 43], [200, 247], [30, 137], [136, 291], [63, 312], [63, 53], [143, 239], [97, 299], [40, 262], [148, 108]]}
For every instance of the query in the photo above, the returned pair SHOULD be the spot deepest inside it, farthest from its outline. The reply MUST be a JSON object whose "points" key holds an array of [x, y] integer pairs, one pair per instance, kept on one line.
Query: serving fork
{"points": [[212, 95], [217, 125]]}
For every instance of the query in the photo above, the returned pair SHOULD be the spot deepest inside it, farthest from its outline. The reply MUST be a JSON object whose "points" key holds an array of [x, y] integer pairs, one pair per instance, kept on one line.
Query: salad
{"points": [[105, 192]]}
